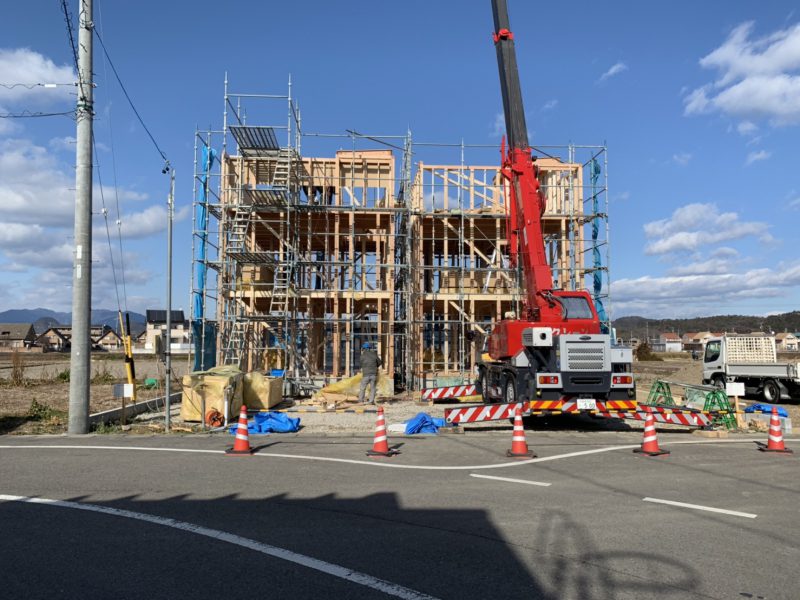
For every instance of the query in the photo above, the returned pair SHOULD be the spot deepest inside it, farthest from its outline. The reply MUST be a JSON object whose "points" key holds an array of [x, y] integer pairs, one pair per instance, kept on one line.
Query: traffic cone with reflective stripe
{"points": [[241, 445], [519, 447], [775, 439], [380, 446], [650, 439]]}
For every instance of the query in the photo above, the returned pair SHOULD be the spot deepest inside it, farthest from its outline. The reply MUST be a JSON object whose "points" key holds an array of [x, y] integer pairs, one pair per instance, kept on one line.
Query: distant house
{"points": [[109, 341], [667, 342], [696, 341], [53, 340], [786, 342], [16, 336], [157, 323], [59, 339]]}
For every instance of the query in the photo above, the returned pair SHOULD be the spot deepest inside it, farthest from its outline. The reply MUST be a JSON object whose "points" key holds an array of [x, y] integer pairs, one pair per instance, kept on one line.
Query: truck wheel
{"points": [[484, 381], [510, 390], [718, 381], [771, 391]]}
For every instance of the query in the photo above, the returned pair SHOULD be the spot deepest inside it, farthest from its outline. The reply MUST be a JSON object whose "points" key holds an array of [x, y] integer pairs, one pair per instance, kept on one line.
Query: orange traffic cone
{"points": [[241, 444], [519, 447], [650, 439], [380, 446], [775, 439]]}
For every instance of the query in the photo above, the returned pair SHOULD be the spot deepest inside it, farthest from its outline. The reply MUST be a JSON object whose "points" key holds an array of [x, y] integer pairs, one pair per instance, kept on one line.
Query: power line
{"points": [[26, 114], [116, 185], [105, 218], [30, 86], [127, 96], [71, 35]]}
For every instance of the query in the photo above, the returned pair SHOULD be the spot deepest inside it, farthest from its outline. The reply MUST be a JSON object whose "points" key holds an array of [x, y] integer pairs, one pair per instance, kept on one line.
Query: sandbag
{"points": [[260, 392], [211, 387]]}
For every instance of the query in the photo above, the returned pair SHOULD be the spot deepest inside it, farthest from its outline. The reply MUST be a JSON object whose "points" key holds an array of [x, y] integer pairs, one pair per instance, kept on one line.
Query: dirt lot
{"points": [[40, 404]]}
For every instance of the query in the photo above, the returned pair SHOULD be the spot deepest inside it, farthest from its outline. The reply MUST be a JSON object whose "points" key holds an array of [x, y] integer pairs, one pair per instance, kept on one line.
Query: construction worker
{"points": [[370, 361]]}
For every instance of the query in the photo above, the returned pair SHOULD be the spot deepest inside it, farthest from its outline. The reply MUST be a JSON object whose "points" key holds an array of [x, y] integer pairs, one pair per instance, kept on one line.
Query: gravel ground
{"points": [[15, 403]]}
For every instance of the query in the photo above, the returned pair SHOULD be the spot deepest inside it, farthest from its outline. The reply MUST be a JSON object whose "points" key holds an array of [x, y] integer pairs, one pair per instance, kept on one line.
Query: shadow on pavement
{"points": [[444, 552]]}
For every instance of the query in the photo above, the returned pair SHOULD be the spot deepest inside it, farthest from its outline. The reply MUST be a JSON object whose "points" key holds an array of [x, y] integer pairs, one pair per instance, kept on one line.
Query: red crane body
{"points": [[562, 311]]}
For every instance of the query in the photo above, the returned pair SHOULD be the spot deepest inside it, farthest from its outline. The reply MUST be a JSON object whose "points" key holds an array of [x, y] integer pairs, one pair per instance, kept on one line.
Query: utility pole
{"points": [[168, 346], [80, 357]]}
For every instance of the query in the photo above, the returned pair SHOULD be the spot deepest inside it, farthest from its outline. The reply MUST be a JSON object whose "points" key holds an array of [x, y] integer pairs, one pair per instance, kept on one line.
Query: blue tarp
{"points": [[424, 423], [270, 422], [765, 408], [202, 361]]}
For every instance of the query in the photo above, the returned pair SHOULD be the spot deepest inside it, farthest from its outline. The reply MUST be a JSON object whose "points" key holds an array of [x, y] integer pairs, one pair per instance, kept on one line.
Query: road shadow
{"points": [[444, 553], [573, 565]]}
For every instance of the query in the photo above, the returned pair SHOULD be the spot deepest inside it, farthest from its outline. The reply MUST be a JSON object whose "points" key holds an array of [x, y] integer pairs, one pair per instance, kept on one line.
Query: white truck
{"points": [[751, 360]]}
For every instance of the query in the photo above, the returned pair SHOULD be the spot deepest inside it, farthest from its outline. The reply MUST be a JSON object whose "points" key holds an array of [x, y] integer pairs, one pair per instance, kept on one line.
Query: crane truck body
{"points": [[555, 350]]}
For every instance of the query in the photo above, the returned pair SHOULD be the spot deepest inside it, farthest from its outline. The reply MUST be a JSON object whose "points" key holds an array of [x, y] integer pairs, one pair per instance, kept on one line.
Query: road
{"points": [[450, 517]]}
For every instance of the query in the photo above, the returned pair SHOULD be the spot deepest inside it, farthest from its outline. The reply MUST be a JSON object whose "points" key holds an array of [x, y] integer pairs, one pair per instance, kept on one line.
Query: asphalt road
{"points": [[284, 523]]}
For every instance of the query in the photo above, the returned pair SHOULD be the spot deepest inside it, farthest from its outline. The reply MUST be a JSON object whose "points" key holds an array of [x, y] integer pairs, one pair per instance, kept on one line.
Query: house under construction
{"points": [[301, 257]]}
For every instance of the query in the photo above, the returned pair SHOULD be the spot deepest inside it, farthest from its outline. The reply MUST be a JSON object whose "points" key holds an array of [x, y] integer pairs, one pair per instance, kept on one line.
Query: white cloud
{"points": [[17, 235], [795, 203], [757, 77], [498, 127], [63, 144], [682, 159], [623, 196], [24, 66], [550, 104], [149, 221], [615, 69], [746, 128], [702, 292], [695, 225], [757, 156]]}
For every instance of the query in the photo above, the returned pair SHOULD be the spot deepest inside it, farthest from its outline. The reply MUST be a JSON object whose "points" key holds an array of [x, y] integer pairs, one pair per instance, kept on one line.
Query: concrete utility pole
{"points": [[80, 358], [168, 348]]}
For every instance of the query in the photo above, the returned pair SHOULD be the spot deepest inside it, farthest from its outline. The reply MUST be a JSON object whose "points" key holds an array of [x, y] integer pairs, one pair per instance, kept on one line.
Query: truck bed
{"points": [[776, 370]]}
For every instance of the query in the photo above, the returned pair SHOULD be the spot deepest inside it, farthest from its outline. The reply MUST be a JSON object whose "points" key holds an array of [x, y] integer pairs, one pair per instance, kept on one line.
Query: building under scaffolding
{"points": [[300, 259]]}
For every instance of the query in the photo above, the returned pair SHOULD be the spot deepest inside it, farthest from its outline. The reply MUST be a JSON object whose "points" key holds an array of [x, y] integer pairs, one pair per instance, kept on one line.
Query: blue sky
{"points": [[699, 104]]}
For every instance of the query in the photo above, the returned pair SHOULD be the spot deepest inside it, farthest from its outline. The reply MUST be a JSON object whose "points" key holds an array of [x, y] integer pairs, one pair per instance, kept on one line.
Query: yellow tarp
{"points": [[351, 386], [212, 387], [261, 392]]}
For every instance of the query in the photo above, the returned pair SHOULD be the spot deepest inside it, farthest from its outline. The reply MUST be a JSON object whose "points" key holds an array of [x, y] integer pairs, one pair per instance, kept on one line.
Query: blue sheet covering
{"points": [[424, 423], [765, 408], [270, 422]]}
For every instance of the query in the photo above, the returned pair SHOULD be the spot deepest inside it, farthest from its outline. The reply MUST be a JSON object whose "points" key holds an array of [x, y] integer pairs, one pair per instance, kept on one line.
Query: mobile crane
{"points": [[553, 355]]}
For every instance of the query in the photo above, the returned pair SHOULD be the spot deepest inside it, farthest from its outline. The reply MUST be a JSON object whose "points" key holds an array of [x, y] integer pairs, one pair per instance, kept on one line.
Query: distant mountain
{"points": [[43, 318], [640, 327]]}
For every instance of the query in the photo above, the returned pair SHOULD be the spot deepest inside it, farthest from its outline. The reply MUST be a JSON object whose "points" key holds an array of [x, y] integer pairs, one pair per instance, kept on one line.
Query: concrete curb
{"points": [[115, 414]]}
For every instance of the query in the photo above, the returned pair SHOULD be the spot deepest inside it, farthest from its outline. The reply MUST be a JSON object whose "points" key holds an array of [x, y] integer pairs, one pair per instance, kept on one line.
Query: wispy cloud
{"points": [[615, 69], [550, 104], [757, 77], [498, 126], [693, 226], [757, 156], [703, 291], [747, 128], [682, 159]]}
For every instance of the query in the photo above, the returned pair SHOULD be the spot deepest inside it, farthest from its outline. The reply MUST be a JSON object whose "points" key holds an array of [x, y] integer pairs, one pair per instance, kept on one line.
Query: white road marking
{"points": [[699, 507], [541, 483], [387, 587], [386, 465]]}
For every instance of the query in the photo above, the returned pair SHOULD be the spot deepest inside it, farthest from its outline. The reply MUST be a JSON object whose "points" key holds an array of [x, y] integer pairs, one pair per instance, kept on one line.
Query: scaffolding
{"points": [[313, 256]]}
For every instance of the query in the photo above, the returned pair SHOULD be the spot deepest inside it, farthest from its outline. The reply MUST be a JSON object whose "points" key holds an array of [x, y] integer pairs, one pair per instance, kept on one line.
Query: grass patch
{"points": [[106, 428]]}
